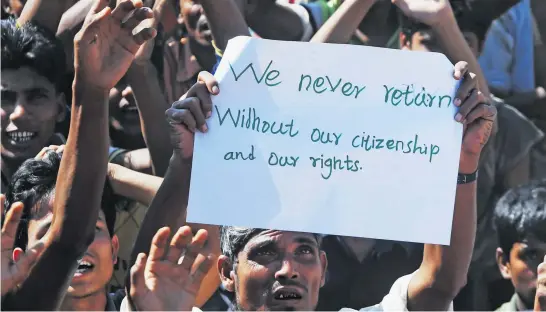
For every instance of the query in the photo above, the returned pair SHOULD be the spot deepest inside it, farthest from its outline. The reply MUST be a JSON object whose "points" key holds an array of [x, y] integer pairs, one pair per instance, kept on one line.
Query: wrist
{"points": [[82, 85], [179, 161], [445, 22], [468, 164]]}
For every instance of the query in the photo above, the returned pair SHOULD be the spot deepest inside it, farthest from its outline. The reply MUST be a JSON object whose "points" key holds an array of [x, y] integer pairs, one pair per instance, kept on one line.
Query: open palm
{"points": [[14, 273], [164, 280], [106, 45]]}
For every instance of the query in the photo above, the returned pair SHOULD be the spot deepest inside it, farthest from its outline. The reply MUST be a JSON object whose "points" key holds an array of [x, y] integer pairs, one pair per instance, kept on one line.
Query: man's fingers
{"points": [[469, 83], [178, 245], [193, 250], [194, 107], [211, 88], [13, 217], [123, 9], [484, 111], [98, 6], [196, 278], [181, 117], [137, 275], [469, 104], [25, 263], [136, 17], [144, 35], [210, 82], [461, 69], [159, 244]]}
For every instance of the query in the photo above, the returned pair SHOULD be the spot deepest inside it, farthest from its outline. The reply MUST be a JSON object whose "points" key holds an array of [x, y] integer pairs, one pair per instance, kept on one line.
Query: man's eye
{"points": [[36, 96], [263, 253], [306, 250]]}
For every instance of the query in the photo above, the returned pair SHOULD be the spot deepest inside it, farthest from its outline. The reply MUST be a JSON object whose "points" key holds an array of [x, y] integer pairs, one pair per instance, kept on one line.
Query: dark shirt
{"points": [[353, 284]]}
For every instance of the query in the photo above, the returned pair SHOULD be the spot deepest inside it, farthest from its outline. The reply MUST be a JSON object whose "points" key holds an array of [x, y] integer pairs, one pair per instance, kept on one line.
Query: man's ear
{"points": [[503, 263], [61, 106], [17, 253], [115, 248], [227, 275], [324, 265]]}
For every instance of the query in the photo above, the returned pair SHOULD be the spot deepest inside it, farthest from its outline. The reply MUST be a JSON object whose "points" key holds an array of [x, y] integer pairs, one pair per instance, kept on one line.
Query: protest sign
{"points": [[331, 139]]}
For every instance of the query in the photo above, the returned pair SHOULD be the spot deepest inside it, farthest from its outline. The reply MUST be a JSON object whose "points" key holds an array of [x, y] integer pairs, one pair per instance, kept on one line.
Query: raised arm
{"points": [[151, 102], [47, 13], [104, 49], [169, 206], [439, 16], [226, 21], [342, 24], [444, 268]]}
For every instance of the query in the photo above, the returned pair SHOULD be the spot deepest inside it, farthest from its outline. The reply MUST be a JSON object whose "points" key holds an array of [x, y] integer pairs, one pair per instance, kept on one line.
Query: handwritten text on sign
{"points": [[330, 139]]}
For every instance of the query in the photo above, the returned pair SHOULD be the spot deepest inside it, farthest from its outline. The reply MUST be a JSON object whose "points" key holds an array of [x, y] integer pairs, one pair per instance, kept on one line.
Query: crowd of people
{"points": [[100, 103]]}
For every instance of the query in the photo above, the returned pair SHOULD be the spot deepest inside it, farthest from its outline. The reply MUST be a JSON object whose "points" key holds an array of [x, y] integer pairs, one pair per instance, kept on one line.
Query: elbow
{"points": [[449, 284]]}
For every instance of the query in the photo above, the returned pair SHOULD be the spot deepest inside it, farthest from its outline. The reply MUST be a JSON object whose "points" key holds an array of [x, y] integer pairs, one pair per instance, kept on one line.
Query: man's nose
{"points": [[288, 270], [19, 112]]}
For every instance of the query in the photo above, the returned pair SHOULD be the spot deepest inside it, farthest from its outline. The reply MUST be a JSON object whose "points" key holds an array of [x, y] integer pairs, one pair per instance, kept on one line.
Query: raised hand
{"points": [[105, 46], [170, 277], [14, 273], [429, 12], [190, 113], [144, 54], [477, 115], [540, 297]]}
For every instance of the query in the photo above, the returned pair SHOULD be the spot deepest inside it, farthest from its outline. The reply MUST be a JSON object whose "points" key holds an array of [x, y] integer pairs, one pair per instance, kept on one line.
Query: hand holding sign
{"points": [[189, 113], [477, 115]]}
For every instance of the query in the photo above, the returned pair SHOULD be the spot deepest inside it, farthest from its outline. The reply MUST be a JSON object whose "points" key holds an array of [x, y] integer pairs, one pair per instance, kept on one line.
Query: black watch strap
{"points": [[467, 178]]}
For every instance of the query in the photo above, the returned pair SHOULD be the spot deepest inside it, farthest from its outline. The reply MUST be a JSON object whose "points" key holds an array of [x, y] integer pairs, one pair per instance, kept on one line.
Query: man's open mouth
{"points": [[18, 137], [84, 267], [287, 295]]}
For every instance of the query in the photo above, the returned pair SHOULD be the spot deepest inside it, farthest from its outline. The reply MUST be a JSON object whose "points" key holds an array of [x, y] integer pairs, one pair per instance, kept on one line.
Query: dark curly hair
{"points": [[33, 184], [33, 46], [519, 213]]}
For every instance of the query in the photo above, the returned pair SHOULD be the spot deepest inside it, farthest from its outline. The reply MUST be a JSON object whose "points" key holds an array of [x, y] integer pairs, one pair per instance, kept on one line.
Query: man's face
{"points": [[97, 265], [31, 107], [521, 267], [196, 22], [124, 116], [279, 270]]}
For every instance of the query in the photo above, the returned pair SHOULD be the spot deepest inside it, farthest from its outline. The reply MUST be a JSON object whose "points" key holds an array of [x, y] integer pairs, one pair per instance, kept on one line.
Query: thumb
{"points": [[137, 276]]}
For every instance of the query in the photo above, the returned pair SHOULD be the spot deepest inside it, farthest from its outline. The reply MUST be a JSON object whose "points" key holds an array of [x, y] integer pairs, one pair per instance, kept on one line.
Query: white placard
{"points": [[332, 139]]}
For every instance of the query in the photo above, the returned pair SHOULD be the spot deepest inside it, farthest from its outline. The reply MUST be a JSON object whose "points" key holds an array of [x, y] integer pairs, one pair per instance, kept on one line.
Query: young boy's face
{"points": [[520, 266]]}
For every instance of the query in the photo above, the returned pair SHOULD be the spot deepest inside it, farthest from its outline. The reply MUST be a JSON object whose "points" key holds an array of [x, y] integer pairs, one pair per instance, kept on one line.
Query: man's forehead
{"points": [[42, 212], [23, 78], [278, 235]]}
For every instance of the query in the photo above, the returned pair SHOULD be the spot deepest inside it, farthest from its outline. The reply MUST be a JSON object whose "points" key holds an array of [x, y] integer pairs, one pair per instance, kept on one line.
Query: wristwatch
{"points": [[463, 178]]}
